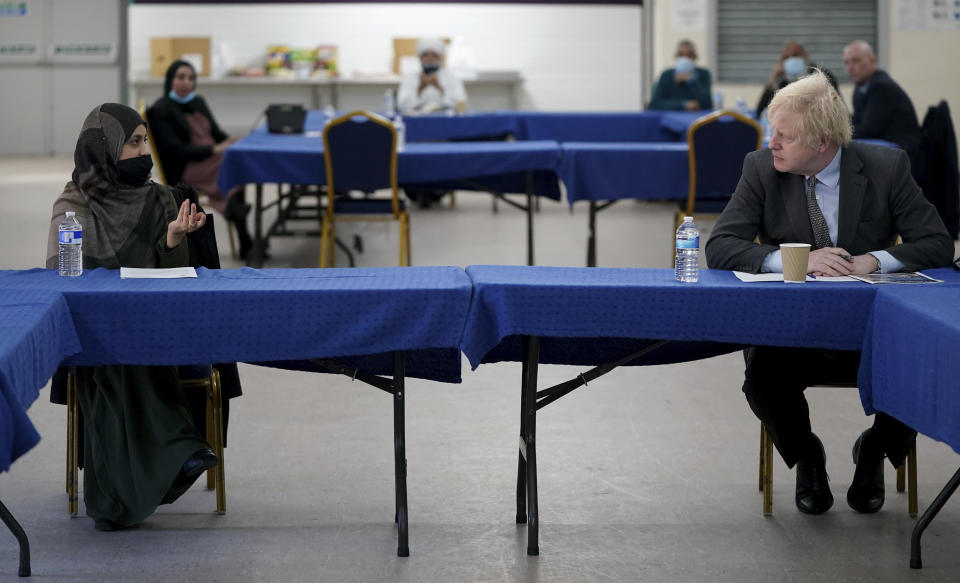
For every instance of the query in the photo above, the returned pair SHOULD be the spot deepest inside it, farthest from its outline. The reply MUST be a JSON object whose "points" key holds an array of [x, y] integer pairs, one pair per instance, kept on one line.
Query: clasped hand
{"points": [[188, 220], [833, 261]]}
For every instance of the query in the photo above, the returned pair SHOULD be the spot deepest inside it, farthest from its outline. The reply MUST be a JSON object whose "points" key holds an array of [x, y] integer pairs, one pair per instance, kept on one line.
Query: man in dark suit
{"points": [[850, 202], [881, 109]]}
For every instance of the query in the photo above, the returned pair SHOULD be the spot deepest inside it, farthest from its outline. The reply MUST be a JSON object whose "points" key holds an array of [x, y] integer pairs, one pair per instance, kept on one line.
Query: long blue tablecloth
{"points": [[625, 126], [613, 171], [262, 158], [358, 316], [577, 311], [36, 333], [910, 367]]}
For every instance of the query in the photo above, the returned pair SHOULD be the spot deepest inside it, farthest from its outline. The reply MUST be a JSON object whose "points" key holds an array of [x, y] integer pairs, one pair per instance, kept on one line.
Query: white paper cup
{"points": [[795, 257]]}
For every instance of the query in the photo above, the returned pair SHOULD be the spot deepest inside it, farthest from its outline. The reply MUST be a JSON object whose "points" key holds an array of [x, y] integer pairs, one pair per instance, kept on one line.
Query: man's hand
{"points": [[692, 105], [428, 80], [836, 261], [188, 220]]}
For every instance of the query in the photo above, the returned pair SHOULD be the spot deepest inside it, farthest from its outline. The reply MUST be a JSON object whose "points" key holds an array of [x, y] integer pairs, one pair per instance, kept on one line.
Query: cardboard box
{"points": [[167, 49]]}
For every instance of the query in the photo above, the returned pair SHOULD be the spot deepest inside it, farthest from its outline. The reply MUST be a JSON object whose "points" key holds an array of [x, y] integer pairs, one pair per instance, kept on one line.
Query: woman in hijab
{"points": [[191, 145], [140, 446]]}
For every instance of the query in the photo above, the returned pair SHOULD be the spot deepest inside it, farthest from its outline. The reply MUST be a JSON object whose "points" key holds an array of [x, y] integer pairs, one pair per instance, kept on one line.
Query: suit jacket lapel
{"points": [[852, 186], [795, 202]]}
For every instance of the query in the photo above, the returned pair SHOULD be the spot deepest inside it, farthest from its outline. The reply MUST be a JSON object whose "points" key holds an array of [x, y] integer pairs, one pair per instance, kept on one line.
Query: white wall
{"points": [[925, 63], [572, 57]]}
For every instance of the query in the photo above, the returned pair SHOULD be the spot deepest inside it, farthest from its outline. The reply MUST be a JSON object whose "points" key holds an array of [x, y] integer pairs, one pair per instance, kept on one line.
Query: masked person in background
{"points": [[793, 64], [140, 445], [190, 145], [434, 89], [685, 86]]}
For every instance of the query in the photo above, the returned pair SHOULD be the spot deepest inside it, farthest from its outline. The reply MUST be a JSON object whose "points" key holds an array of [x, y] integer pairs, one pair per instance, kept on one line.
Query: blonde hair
{"points": [[821, 114]]}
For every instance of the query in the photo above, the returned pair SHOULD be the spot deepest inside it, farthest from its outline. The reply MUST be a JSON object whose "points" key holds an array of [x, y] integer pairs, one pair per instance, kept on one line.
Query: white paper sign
{"points": [[688, 15]]}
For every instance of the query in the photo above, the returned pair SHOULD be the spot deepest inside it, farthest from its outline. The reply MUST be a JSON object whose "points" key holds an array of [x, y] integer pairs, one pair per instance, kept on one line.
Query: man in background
{"points": [[685, 86], [433, 89], [881, 108]]}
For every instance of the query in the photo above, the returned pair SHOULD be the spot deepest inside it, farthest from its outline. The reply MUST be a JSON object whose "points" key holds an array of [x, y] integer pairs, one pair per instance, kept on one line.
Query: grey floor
{"points": [[648, 474]]}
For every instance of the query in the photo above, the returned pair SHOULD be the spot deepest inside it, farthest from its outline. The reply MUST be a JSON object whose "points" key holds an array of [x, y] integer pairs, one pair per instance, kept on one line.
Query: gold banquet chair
{"points": [[162, 177], [205, 377], [717, 143], [766, 469], [360, 153]]}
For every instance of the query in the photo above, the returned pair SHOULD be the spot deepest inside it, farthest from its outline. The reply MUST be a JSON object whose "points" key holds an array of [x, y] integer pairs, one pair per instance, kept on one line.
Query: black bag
{"points": [[285, 118]]}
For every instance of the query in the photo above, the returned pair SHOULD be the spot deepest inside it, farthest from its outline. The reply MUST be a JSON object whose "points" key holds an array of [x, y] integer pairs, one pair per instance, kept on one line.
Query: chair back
{"points": [[717, 145], [161, 177], [360, 153], [940, 181]]}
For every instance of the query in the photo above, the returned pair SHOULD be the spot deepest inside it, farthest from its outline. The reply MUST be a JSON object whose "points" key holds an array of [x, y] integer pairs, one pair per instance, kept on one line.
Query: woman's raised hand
{"points": [[188, 220]]}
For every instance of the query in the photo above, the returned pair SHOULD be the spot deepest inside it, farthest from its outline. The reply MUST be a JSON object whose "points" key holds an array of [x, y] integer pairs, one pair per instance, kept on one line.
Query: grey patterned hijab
{"points": [[122, 225]]}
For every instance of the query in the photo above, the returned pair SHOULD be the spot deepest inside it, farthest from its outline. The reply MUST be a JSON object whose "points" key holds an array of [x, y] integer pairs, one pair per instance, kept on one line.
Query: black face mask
{"points": [[430, 69], [134, 171]]}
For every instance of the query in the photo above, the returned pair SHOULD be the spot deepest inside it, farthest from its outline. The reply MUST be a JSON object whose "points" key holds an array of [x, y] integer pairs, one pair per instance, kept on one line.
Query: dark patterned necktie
{"points": [[821, 234]]}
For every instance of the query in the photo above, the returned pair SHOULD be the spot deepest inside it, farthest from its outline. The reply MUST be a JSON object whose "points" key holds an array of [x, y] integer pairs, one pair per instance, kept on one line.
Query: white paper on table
{"points": [[758, 277], [168, 273], [835, 278]]}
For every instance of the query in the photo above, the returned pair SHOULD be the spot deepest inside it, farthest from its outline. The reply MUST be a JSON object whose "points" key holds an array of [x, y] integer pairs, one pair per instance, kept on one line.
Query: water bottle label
{"points": [[71, 237], [693, 243]]}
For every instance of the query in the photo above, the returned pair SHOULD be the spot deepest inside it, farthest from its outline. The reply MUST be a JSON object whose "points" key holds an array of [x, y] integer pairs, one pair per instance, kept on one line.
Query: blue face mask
{"points": [[181, 100], [683, 65], [431, 69], [794, 67]]}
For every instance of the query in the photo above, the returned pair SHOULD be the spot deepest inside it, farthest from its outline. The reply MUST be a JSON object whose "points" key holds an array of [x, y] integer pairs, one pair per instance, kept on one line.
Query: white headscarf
{"points": [[430, 44]]}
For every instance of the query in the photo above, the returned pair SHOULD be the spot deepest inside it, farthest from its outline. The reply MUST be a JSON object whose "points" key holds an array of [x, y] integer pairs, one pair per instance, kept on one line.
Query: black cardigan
{"points": [[171, 135]]}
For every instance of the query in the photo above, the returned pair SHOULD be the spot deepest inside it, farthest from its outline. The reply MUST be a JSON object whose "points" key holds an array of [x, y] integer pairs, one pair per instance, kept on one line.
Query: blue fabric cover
{"points": [[601, 303], [360, 154], [298, 159], [36, 333], [910, 368], [252, 315], [613, 171], [720, 148], [629, 126]]}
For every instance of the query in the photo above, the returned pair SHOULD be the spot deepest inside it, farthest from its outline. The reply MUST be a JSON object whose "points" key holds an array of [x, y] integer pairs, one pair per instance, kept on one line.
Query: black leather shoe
{"points": [[813, 489], [866, 493], [195, 465]]}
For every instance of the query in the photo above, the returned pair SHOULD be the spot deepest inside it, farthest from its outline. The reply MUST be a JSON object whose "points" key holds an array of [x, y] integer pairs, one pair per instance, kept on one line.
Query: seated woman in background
{"points": [[140, 446], [191, 145]]}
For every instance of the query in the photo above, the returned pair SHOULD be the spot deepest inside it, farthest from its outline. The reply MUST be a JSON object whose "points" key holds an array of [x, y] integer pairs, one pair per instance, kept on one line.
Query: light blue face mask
{"points": [[181, 100], [794, 67], [683, 65]]}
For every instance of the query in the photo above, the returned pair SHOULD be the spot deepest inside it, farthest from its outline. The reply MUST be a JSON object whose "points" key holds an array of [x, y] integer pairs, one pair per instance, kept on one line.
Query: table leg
{"points": [[522, 449], [399, 453], [916, 561], [530, 198], [529, 386], [255, 258], [592, 235], [18, 532]]}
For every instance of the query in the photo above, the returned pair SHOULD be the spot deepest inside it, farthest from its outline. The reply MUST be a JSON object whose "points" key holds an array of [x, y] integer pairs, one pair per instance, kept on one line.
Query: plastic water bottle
{"points": [[742, 105], [389, 103], [70, 261], [329, 113], [401, 132], [766, 127], [687, 267], [718, 99]]}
